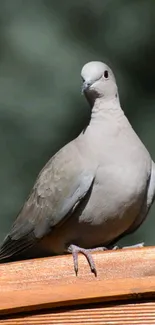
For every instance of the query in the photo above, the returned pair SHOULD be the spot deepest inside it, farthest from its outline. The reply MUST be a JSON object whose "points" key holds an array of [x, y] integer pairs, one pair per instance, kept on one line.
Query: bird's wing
{"points": [[148, 200], [60, 187]]}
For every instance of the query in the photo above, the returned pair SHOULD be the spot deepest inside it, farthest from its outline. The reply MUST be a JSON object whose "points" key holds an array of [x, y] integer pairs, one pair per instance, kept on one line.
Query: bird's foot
{"points": [[87, 253], [74, 249], [134, 246], [122, 247]]}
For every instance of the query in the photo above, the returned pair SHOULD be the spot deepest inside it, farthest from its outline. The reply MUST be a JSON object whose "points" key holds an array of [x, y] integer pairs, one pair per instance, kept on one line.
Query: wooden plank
{"points": [[51, 282], [119, 314]]}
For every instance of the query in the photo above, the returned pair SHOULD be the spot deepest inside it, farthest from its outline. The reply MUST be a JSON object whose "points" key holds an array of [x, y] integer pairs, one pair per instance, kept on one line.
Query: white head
{"points": [[98, 81]]}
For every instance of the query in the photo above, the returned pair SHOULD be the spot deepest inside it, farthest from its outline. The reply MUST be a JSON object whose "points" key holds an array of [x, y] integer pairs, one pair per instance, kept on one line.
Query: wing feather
{"points": [[59, 188]]}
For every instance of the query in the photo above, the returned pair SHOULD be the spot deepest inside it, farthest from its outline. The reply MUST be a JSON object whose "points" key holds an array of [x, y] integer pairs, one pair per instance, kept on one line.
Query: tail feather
{"points": [[11, 249]]}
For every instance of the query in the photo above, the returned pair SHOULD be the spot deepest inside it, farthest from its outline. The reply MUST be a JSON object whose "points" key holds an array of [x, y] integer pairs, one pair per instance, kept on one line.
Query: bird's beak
{"points": [[85, 86]]}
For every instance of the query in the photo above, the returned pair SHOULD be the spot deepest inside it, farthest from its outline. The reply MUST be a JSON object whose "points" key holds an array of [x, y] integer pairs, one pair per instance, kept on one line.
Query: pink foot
{"points": [[87, 253]]}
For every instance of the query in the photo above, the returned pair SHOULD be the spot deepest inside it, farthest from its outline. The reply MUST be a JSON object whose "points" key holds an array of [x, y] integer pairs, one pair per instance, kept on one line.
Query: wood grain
{"points": [[124, 314], [51, 282]]}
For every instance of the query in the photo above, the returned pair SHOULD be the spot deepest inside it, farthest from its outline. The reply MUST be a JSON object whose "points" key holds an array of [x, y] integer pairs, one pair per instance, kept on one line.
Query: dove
{"points": [[96, 189]]}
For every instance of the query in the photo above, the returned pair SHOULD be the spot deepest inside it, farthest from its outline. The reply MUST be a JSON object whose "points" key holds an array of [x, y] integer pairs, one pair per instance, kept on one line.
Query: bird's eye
{"points": [[83, 79], [106, 74]]}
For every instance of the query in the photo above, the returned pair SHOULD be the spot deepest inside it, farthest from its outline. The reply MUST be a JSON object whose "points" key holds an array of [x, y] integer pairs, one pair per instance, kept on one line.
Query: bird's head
{"points": [[98, 81]]}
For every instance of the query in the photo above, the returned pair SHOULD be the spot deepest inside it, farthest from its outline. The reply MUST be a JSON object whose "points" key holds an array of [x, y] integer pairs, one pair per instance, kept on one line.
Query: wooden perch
{"points": [[44, 284]]}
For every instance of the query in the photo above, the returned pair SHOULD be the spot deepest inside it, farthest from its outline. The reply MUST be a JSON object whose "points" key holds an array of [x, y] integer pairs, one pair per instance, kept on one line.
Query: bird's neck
{"points": [[106, 108], [107, 120]]}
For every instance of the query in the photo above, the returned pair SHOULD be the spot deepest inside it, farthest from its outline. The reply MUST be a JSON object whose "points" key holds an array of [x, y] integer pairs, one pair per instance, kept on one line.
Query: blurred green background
{"points": [[43, 46]]}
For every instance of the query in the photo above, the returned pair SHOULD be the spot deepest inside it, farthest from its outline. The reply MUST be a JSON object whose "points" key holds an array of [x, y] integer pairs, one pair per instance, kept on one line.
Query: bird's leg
{"points": [[74, 249], [86, 252]]}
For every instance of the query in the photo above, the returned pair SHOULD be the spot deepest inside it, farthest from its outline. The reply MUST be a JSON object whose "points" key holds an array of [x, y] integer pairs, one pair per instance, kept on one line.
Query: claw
{"points": [[87, 253]]}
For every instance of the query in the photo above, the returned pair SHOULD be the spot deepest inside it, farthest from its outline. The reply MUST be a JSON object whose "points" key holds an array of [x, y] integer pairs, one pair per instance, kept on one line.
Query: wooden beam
{"points": [[51, 282], [142, 313]]}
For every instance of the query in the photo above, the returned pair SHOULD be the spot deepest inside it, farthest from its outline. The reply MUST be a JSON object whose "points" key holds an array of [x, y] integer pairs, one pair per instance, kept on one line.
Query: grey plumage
{"points": [[97, 188]]}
